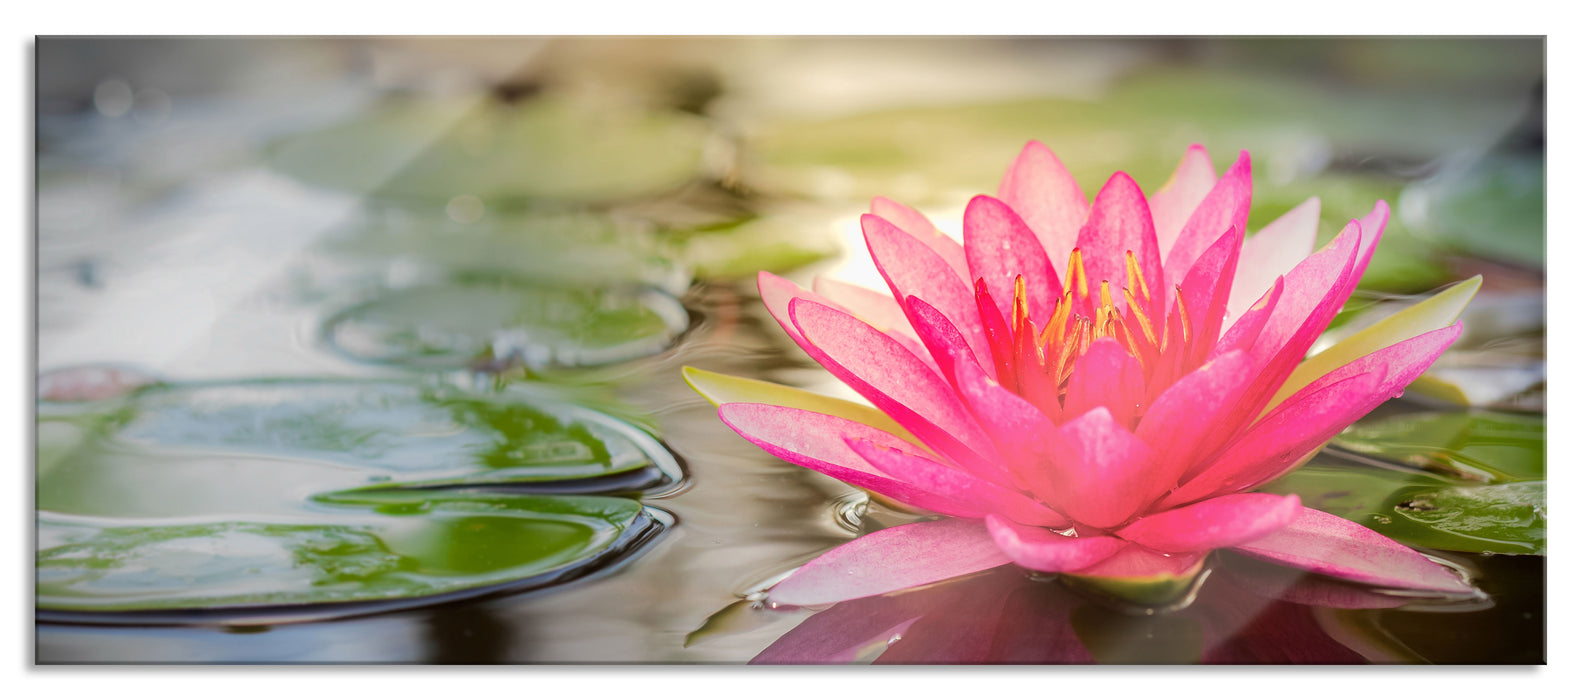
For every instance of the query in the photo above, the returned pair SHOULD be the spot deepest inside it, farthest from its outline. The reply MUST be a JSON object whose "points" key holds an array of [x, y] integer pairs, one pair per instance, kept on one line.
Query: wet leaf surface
{"points": [[1427, 511], [1482, 446], [580, 248], [495, 322], [407, 548], [265, 447]]}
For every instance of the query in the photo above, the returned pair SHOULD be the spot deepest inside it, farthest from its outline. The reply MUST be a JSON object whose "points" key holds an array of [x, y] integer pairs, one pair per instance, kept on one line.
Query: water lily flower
{"points": [[1091, 388]]}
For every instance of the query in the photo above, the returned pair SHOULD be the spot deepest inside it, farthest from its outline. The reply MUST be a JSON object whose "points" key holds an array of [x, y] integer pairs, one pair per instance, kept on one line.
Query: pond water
{"points": [[370, 351]]}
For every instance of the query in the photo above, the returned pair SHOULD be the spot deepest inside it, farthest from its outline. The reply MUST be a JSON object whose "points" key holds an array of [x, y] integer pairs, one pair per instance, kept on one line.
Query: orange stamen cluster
{"points": [[1077, 322]]}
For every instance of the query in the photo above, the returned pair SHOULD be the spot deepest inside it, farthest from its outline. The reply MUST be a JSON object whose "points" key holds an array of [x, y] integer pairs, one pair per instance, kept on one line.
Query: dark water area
{"points": [[399, 328]]}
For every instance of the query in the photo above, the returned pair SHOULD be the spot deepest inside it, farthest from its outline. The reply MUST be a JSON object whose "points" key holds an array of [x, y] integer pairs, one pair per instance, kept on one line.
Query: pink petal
{"points": [[818, 442], [956, 485], [877, 309], [1308, 299], [913, 222], [1319, 411], [1133, 562], [1218, 522], [1039, 549], [1018, 429], [1398, 365], [1314, 292], [838, 635], [893, 379], [1042, 191], [892, 559], [999, 248], [1206, 291], [1120, 222], [1276, 443], [1102, 474], [944, 343], [1272, 252], [1245, 331], [1372, 227], [777, 294], [1223, 209], [1173, 203], [1177, 422], [1334, 546], [912, 269], [997, 333], [1106, 375]]}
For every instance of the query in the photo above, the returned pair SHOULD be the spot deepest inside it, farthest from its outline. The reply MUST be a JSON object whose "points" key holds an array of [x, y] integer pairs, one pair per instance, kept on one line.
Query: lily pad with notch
{"points": [[264, 446]]}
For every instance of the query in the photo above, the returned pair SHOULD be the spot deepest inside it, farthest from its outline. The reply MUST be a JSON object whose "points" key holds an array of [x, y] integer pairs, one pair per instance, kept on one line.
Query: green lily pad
{"points": [[265, 447], [546, 148], [354, 555], [1494, 208], [472, 321], [576, 249], [1422, 510], [1489, 447], [775, 242]]}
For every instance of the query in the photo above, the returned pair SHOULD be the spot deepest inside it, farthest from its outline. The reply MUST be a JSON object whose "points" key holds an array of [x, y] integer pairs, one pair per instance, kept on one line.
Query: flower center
{"points": [[1039, 360]]}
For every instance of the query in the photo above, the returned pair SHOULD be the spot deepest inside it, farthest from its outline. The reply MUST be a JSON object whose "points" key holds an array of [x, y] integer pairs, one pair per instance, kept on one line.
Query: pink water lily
{"points": [[1091, 388]]}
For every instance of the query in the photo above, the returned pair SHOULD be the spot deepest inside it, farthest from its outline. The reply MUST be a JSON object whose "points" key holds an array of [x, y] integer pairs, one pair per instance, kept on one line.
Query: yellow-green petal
{"points": [[723, 388], [1430, 314]]}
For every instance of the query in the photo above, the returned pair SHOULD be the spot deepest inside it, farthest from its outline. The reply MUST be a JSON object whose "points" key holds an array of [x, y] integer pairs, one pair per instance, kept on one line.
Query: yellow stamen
{"points": [[1135, 280], [1186, 321], [1019, 306], [1056, 328], [1143, 324], [1079, 330], [1076, 277]]}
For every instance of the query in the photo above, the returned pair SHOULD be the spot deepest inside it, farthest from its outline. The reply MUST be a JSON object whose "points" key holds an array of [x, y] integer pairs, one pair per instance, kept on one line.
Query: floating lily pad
{"points": [[584, 249], [1493, 208], [1427, 511], [775, 242], [475, 321], [355, 555], [1477, 446], [546, 148], [266, 447]]}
